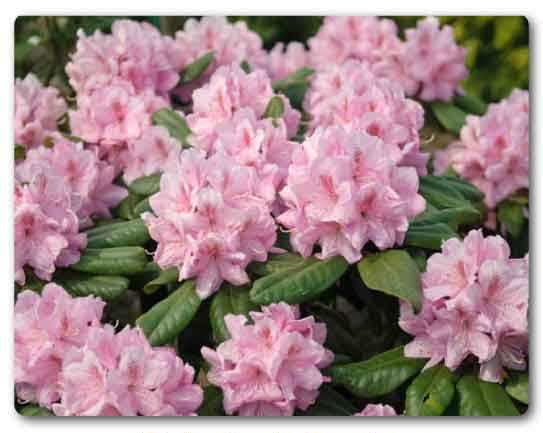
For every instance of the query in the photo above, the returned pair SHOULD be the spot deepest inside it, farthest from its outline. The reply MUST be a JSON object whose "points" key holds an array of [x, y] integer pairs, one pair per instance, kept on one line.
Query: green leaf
{"points": [[517, 386], [449, 116], [174, 123], [430, 236], [378, 375], [168, 318], [146, 185], [469, 191], [294, 86], [245, 66], [228, 300], [431, 392], [300, 75], [142, 206], [511, 215], [275, 263], [107, 287], [112, 261], [393, 272], [197, 68], [212, 404], [330, 403], [166, 276], [125, 209], [274, 109], [471, 104], [300, 283], [19, 152], [34, 410], [132, 233], [479, 398]]}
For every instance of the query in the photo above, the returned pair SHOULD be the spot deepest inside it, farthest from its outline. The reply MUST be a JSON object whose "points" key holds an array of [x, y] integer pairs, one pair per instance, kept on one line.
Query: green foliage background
{"points": [[498, 46]]}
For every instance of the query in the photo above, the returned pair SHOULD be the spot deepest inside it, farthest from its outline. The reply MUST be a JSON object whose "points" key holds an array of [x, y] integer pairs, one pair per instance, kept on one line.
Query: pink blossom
{"points": [[434, 60], [229, 42], [272, 366], [285, 60], [37, 111], [46, 228], [344, 190], [88, 179], [229, 90], [377, 410], [475, 303], [46, 328], [210, 222], [352, 95], [134, 51], [494, 151]]}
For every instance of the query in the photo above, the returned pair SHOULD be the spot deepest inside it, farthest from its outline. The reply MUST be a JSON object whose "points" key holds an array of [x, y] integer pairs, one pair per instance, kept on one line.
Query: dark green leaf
{"points": [[125, 209], [34, 410], [275, 263], [19, 152], [197, 68], [132, 233], [429, 236], [174, 123], [212, 404], [511, 215], [112, 261], [245, 66], [431, 392], [393, 272], [166, 276], [517, 386], [300, 283], [146, 185], [480, 398], [143, 206], [300, 75], [449, 116], [471, 104], [107, 287], [378, 375], [330, 403], [168, 318]]}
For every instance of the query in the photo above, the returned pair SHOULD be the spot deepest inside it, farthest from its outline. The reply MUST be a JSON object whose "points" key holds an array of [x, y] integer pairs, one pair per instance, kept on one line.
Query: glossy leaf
{"points": [[125, 209], [480, 398], [393, 272], [275, 263], [34, 410], [431, 392], [517, 386], [146, 185], [378, 375], [174, 123], [449, 116], [330, 403], [112, 261], [429, 236], [165, 320], [212, 404], [129, 234], [471, 104], [298, 284], [197, 68], [166, 276], [107, 287], [511, 215]]}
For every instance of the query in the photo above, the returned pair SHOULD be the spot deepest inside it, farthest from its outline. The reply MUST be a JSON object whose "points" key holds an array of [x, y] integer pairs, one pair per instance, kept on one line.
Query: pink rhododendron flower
{"points": [[112, 115], [37, 111], [122, 375], [135, 52], [46, 228], [344, 190], [229, 42], [377, 410], [352, 95], [149, 153], [210, 222], [434, 60], [475, 303], [285, 60], [272, 366], [88, 179], [494, 151], [229, 90], [46, 328]]}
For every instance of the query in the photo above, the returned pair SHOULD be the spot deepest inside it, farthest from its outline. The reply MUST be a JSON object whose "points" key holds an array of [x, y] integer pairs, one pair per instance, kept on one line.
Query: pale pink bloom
{"points": [[112, 115], [475, 303], [433, 59], [352, 95], [272, 366], [46, 227], [229, 90], [494, 151], [134, 51], [37, 111], [285, 60], [88, 179], [377, 410], [344, 190], [229, 42], [210, 222], [46, 328], [148, 153]]}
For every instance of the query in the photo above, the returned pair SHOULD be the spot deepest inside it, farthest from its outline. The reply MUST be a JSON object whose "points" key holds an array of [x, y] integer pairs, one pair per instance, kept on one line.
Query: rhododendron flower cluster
{"points": [[272, 366], [377, 410], [350, 94], [210, 222], [37, 111], [493, 151], [344, 190], [67, 361], [285, 60], [87, 179], [475, 303], [428, 63], [229, 90]]}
